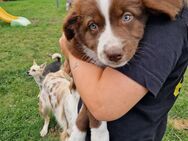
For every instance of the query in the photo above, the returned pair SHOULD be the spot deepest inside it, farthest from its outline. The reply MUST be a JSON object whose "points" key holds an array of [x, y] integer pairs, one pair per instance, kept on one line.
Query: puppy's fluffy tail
{"points": [[56, 56]]}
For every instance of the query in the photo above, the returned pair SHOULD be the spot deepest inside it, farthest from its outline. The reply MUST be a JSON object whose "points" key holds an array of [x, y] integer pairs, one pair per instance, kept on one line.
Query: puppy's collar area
{"points": [[41, 78]]}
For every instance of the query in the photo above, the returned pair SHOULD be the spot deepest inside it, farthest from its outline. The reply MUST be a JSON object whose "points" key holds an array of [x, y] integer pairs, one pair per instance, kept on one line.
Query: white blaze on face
{"points": [[107, 38], [92, 55]]}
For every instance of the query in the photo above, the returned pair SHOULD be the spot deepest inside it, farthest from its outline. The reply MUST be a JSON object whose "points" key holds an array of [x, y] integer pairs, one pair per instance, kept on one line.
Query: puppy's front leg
{"points": [[99, 131], [81, 126], [44, 111], [44, 130]]}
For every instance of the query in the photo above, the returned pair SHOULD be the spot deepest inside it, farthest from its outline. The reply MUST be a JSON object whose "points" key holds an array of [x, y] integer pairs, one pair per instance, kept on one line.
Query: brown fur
{"points": [[81, 34], [83, 12], [93, 122], [169, 7], [82, 121]]}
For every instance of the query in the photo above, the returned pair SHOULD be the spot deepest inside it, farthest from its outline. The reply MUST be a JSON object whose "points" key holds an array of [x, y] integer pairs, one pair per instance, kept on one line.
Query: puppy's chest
{"points": [[39, 80]]}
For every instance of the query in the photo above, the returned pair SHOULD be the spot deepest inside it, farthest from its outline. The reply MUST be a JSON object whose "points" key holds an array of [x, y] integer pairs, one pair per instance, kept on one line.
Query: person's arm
{"points": [[107, 93]]}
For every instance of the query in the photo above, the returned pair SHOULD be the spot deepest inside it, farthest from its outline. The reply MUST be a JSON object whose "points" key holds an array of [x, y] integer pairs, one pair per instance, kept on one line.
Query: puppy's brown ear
{"points": [[168, 7], [70, 25]]}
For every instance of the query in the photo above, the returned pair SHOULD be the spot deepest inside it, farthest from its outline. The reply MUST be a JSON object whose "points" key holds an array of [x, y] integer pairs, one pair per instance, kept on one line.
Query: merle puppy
{"points": [[39, 72]]}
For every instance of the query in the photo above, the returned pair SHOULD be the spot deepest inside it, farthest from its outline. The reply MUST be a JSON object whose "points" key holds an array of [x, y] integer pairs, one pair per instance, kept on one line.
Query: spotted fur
{"points": [[56, 97]]}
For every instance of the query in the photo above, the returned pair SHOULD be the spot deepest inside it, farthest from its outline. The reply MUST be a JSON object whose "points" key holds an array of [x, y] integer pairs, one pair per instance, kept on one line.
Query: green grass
{"points": [[179, 111], [19, 117]]}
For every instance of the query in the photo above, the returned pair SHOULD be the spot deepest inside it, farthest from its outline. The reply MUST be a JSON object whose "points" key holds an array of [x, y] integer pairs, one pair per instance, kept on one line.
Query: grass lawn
{"points": [[19, 117]]}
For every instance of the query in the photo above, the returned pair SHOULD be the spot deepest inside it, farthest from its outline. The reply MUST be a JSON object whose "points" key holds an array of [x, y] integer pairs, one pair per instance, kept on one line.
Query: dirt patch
{"points": [[179, 124], [55, 131]]}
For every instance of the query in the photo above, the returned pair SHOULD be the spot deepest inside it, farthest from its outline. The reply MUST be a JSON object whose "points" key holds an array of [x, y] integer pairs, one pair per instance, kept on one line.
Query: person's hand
{"points": [[63, 46]]}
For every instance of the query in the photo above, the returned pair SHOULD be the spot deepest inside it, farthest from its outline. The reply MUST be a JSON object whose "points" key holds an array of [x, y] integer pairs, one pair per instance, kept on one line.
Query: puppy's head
{"points": [[36, 70], [108, 31]]}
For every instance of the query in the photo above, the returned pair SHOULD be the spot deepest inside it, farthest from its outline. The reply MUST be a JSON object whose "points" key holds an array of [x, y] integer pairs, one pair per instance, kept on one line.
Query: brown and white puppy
{"points": [[107, 33]]}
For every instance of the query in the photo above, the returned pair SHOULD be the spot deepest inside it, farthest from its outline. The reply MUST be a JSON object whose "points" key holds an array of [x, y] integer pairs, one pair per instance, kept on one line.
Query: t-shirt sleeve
{"points": [[157, 55]]}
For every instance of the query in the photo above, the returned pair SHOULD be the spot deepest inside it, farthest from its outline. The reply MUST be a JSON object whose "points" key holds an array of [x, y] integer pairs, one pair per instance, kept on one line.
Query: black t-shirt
{"points": [[159, 65]]}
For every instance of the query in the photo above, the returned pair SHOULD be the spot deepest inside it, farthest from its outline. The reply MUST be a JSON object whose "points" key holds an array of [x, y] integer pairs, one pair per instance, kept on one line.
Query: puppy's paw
{"points": [[64, 136], [43, 132], [77, 135], [101, 133]]}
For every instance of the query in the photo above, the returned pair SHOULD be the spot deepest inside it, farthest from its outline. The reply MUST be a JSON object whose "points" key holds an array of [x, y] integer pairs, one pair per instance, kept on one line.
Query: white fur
{"points": [[44, 130], [107, 38], [44, 108], [56, 55], [101, 133], [36, 72], [77, 135], [92, 55], [97, 134], [71, 109]]}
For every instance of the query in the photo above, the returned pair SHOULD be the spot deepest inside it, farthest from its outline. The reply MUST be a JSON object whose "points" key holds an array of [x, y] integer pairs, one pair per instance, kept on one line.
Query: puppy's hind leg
{"points": [[61, 118], [80, 128], [99, 131], [44, 130]]}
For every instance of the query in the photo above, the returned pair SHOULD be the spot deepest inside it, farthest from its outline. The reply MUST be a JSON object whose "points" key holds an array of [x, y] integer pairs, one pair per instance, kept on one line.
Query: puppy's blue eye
{"points": [[93, 26], [127, 17]]}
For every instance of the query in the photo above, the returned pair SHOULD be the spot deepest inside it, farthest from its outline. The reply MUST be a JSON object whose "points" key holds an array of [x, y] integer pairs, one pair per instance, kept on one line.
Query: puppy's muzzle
{"points": [[28, 73], [113, 53]]}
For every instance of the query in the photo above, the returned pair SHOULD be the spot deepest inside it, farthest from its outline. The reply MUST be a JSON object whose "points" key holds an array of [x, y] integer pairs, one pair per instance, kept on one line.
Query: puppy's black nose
{"points": [[114, 57], [113, 54], [27, 72]]}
